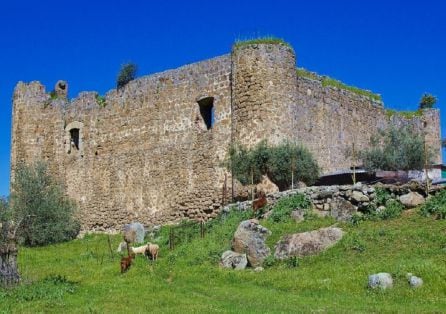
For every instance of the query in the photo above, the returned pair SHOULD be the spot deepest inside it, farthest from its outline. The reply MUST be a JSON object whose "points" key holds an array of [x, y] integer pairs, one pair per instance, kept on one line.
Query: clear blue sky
{"points": [[395, 48]]}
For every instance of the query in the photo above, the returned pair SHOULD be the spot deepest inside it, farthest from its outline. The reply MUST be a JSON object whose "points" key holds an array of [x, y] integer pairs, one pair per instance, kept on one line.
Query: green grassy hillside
{"points": [[81, 276]]}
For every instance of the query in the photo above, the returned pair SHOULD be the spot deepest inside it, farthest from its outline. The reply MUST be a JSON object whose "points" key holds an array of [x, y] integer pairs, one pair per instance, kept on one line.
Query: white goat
{"points": [[140, 249], [153, 250]]}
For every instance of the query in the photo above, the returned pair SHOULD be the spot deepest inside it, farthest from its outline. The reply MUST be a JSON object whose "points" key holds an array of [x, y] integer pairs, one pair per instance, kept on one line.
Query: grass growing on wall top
{"points": [[328, 81], [261, 40], [405, 114], [80, 276]]}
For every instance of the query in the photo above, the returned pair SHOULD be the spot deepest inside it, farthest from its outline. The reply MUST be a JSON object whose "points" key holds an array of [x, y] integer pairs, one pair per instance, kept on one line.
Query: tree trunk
{"points": [[9, 274]]}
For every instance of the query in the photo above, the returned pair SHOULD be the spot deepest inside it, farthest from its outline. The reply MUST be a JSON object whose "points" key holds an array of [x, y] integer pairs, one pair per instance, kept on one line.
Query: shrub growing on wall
{"points": [[282, 164], [427, 101], [126, 74], [396, 149], [39, 202]]}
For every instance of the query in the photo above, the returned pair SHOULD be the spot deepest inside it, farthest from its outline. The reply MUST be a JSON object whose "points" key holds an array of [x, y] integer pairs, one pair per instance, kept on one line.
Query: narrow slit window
{"points": [[74, 138], [207, 111]]}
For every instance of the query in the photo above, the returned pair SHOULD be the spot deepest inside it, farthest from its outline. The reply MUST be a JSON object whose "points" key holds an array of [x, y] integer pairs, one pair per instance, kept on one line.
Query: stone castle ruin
{"points": [[153, 150]]}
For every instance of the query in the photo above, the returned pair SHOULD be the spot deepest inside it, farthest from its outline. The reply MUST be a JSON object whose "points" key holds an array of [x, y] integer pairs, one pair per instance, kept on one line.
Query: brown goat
{"points": [[259, 203], [126, 262]]}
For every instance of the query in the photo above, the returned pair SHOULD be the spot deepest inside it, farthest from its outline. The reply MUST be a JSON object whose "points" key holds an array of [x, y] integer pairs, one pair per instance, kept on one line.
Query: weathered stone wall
{"points": [[147, 155], [150, 154], [264, 91], [329, 120]]}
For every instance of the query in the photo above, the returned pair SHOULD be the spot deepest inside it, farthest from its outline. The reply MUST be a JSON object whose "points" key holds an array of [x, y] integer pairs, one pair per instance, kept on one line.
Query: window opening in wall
{"points": [[74, 138], [207, 111]]}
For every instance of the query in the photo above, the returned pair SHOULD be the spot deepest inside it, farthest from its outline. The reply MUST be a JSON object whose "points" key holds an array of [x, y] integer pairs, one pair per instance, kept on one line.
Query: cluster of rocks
{"points": [[342, 201], [249, 248], [385, 281]]}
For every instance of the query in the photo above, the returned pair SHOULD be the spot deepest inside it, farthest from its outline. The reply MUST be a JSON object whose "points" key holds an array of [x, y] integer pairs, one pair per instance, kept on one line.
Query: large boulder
{"points": [[307, 243], [380, 280], [267, 186], [411, 199], [249, 239], [230, 259], [134, 232]]}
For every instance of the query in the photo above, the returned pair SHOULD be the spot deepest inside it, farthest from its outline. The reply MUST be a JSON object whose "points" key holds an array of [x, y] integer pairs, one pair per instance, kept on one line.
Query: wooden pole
{"points": [[426, 168], [252, 184], [110, 248], [354, 163]]}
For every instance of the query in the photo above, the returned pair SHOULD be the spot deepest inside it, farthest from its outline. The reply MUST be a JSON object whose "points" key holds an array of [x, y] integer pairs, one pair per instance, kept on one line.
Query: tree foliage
{"points": [[427, 101], [5, 215], [126, 74], [281, 163], [396, 149], [44, 214]]}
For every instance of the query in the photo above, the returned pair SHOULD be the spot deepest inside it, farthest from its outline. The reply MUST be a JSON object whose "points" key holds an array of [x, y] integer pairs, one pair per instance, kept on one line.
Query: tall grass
{"points": [[83, 276]]}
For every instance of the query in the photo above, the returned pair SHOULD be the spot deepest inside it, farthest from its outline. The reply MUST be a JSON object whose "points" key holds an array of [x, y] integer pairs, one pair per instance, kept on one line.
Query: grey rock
{"points": [[258, 269], [307, 243], [298, 215], [359, 197], [357, 186], [134, 232], [414, 281], [380, 280], [249, 238], [411, 199], [230, 259], [122, 247], [342, 209]]}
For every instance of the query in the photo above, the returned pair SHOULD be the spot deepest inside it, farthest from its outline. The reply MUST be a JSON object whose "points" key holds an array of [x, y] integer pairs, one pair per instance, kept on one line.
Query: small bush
{"points": [[282, 164], [393, 209], [435, 206], [282, 210], [126, 74], [44, 214], [101, 101], [382, 196], [270, 261], [396, 149], [427, 101], [292, 262], [290, 161]]}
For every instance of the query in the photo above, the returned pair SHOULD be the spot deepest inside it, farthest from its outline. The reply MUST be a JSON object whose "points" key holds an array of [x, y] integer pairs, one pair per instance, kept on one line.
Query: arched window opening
{"points": [[207, 111], [74, 139]]}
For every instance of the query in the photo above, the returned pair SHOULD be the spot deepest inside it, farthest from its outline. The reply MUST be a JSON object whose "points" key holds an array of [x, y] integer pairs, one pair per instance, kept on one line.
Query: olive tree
{"points": [[396, 149], [9, 273]]}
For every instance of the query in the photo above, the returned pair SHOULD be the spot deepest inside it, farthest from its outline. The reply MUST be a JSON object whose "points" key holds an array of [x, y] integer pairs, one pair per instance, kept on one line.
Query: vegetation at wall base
{"points": [[83, 276], [281, 163], [435, 206], [38, 202], [281, 212], [396, 148]]}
